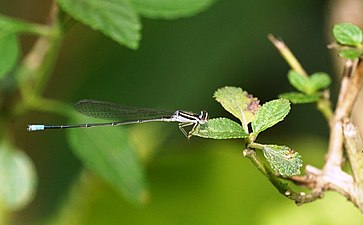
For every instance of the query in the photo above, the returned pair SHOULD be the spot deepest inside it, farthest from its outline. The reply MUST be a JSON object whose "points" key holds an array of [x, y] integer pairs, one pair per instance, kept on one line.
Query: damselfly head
{"points": [[203, 116]]}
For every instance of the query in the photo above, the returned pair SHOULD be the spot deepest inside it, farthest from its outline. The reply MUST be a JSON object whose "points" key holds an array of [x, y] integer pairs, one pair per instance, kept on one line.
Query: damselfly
{"points": [[128, 115]]}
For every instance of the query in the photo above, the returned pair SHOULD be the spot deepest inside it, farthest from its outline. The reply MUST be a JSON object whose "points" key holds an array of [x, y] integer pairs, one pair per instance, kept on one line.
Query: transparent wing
{"points": [[111, 111]]}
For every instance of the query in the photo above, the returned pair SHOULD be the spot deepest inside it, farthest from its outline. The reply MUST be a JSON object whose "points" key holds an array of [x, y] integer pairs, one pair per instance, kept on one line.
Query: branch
{"points": [[34, 69], [323, 104], [354, 147], [348, 94], [287, 55], [332, 177], [298, 197], [344, 108]]}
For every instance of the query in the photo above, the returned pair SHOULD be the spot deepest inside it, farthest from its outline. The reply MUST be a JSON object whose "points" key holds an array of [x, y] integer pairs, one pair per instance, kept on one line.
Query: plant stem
{"points": [[251, 154], [354, 148], [35, 68], [351, 91], [287, 55], [20, 26], [324, 106], [283, 188], [347, 96]]}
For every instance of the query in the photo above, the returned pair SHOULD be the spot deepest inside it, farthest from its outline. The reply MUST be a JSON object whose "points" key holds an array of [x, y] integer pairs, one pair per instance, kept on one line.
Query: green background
{"points": [[179, 65]]}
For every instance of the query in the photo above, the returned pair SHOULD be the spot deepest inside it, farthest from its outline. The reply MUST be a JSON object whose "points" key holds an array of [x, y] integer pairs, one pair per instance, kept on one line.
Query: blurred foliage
{"points": [[206, 184], [179, 64]]}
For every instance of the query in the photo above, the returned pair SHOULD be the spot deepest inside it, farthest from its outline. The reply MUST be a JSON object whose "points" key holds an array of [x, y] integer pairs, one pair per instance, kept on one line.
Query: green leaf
{"points": [[300, 98], [115, 18], [350, 53], [270, 114], [299, 81], [107, 152], [166, 9], [9, 53], [309, 85], [348, 34], [283, 160], [220, 128], [17, 177], [239, 103], [319, 81]]}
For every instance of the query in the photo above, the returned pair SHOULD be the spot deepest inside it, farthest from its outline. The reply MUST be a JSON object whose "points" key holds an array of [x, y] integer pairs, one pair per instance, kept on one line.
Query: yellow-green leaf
{"points": [[270, 114], [319, 81], [283, 160], [350, 53], [348, 34], [300, 98], [299, 81], [220, 128], [239, 103]]}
